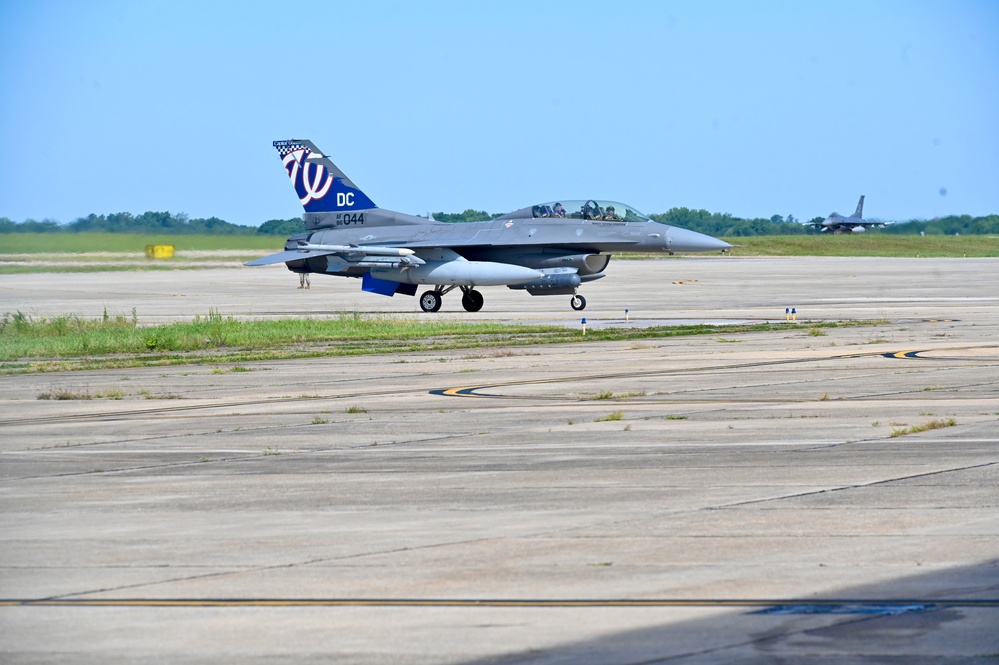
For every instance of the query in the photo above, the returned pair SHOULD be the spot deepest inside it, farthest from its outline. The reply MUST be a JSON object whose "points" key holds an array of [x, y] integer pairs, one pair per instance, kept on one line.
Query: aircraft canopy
{"points": [[609, 211]]}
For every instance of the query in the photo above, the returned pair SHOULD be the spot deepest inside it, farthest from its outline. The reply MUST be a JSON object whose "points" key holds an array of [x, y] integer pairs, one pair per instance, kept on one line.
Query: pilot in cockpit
{"points": [[559, 210], [610, 215]]}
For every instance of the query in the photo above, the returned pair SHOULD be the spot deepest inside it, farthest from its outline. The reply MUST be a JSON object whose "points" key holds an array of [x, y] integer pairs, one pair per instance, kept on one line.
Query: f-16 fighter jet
{"points": [[855, 223], [546, 249]]}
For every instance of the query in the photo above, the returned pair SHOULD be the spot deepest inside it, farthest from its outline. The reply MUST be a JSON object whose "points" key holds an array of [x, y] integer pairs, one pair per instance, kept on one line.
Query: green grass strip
{"points": [[65, 244], [868, 244], [73, 342]]}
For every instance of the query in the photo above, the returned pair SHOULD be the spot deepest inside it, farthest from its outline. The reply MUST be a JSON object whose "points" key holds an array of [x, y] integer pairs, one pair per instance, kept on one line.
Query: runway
{"points": [[823, 494]]}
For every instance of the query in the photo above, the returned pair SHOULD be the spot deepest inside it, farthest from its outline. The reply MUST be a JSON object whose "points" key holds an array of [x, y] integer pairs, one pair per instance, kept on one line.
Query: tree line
{"points": [[702, 221], [124, 222]]}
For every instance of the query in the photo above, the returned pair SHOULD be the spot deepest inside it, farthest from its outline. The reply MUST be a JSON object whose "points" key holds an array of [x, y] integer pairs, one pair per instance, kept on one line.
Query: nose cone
{"points": [[682, 240]]}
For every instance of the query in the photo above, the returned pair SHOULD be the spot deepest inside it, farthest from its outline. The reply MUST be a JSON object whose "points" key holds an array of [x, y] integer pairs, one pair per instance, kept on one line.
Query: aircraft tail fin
{"points": [[859, 214], [320, 185]]}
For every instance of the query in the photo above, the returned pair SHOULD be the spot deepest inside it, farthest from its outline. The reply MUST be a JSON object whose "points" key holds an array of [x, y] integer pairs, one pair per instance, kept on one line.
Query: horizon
{"points": [[754, 109], [803, 222]]}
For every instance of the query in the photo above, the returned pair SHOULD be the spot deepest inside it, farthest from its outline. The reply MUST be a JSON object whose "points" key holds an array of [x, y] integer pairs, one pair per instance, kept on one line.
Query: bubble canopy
{"points": [[608, 211]]}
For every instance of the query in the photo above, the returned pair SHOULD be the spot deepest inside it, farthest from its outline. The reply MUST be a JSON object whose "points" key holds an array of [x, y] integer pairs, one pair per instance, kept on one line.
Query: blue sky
{"points": [[751, 108]]}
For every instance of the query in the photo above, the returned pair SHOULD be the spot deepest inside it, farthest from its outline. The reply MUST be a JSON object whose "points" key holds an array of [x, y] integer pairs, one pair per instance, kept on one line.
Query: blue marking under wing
{"points": [[386, 287]]}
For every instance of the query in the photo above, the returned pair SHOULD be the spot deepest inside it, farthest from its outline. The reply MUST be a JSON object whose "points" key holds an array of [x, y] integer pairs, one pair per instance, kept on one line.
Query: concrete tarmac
{"points": [[819, 495]]}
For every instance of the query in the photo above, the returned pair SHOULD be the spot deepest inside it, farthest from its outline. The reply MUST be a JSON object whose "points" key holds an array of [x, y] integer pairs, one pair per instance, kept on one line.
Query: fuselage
{"points": [[838, 224], [507, 238]]}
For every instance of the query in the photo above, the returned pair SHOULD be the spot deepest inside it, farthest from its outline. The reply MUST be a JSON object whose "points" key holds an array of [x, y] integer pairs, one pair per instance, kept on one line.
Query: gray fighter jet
{"points": [[855, 223], [546, 249]]}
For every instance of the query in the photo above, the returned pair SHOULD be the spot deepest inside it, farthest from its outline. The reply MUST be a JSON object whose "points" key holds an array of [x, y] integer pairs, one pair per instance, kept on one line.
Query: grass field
{"points": [[90, 252], [71, 342], [108, 252], [869, 244], [73, 243]]}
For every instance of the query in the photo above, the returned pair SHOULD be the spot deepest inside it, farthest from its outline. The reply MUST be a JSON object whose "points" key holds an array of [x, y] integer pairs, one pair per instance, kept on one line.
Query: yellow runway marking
{"points": [[473, 391]]}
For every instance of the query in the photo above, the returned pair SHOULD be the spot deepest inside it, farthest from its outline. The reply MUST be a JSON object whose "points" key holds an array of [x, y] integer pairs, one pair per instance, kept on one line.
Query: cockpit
{"points": [[607, 211]]}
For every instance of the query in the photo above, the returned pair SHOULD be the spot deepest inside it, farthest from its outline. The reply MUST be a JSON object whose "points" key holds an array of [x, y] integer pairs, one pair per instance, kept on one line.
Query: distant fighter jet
{"points": [[855, 223], [546, 249]]}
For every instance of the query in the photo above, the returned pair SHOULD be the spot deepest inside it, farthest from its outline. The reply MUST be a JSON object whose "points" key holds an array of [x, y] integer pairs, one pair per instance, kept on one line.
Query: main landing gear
{"points": [[431, 301], [471, 300]]}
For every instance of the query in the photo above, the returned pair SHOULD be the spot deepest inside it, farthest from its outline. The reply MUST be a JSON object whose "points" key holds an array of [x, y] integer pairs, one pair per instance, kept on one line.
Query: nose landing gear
{"points": [[471, 299]]}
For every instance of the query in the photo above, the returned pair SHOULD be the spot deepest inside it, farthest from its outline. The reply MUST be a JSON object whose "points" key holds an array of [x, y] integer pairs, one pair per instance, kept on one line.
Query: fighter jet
{"points": [[855, 223], [545, 249]]}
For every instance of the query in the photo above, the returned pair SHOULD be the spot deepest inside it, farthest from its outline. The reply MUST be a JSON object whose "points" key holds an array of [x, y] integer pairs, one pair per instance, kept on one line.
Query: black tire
{"points": [[578, 303], [472, 301], [431, 301]]}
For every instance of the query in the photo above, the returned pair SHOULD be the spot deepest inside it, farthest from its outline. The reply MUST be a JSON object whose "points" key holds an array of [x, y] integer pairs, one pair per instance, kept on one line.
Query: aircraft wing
{"points": [[284, 257], [350, 254], [853, 223]]}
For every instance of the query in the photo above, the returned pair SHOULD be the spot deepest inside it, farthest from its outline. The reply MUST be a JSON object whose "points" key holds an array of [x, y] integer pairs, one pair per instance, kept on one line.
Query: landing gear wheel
{"points": [[578, 302], [430, 301], [472, 300]]}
